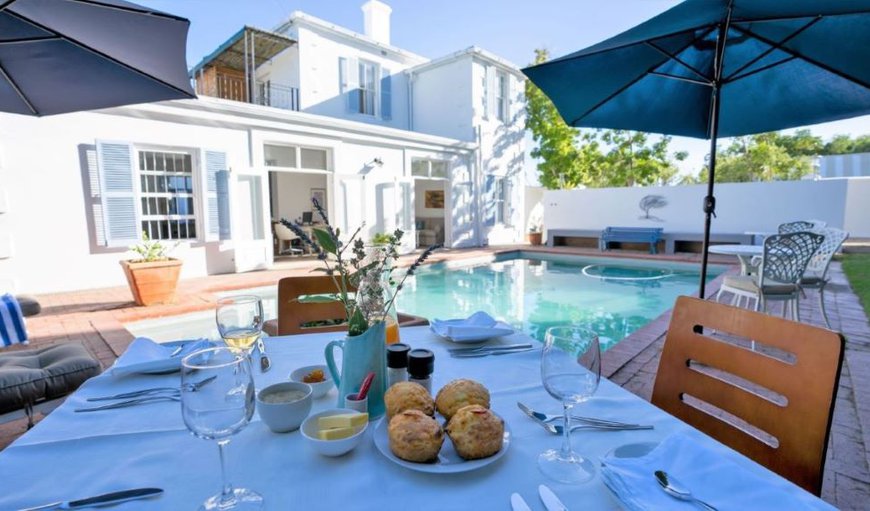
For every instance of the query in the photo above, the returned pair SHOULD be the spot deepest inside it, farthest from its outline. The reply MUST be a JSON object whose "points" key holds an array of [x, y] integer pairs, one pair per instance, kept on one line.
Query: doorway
{"points": [[430, 213], [290, 195]]}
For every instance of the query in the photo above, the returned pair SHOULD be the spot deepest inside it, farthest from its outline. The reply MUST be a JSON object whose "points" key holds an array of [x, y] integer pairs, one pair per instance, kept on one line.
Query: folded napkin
{"points": [[146, 356], [478, 326], [712, 477]]}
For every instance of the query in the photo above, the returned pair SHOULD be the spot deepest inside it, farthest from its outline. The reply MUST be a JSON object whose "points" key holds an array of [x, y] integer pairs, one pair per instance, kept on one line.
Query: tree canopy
{"points": [[569, 157]]}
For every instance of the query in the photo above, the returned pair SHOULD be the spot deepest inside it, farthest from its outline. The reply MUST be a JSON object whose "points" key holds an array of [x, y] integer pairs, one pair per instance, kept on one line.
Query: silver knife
{"points": [[107, 499], [265, 363], [551, 501], [518, 503]]}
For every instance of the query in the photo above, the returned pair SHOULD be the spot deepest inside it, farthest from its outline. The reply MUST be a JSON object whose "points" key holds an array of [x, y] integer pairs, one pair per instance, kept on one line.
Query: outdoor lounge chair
{"points": [[295, 317], [783, 263], [773, 405], [800, 225]]}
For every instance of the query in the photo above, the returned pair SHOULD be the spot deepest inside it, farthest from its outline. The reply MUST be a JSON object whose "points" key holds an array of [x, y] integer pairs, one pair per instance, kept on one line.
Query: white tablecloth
{"points": [[74, 455]]}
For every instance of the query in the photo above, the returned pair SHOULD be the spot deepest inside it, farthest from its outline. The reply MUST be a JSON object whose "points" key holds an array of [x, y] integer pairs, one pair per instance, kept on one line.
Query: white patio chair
{"points": [[783, 263], [800, 225], [815, 276], [284, 235]]}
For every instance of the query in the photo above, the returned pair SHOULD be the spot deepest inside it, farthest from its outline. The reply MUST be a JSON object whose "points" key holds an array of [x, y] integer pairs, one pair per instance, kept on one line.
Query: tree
{"points": [[596, 158], [762, 157], [844, 144]]}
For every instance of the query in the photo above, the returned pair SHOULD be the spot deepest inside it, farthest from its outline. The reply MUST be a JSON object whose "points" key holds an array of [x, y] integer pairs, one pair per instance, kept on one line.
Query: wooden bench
{"points": [[650, 235]]}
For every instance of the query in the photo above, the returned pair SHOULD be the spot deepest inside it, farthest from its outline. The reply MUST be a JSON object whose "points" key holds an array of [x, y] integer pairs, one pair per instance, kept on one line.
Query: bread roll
{"points": [[476, 432], [408, 396], [459, 393], [415, 436]]}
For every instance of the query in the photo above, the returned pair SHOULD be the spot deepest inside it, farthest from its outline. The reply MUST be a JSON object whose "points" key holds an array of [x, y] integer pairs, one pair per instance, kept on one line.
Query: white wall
{"points": [[442, 98], [845, 165], [741, 207], [319, 53], [291, 193]]}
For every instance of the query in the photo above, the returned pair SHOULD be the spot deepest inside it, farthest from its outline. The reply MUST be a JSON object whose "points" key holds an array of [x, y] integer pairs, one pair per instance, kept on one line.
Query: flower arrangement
{"points": [[351, 266]]}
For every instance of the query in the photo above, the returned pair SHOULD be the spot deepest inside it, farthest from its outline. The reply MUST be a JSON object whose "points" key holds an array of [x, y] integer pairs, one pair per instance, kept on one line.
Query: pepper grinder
{"points": [[421, 364], [397, 363]]}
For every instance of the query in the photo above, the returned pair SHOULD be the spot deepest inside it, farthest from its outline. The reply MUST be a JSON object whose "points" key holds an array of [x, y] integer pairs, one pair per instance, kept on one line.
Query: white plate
{"points": [[500, 329], [159, 366], [448, 462]]}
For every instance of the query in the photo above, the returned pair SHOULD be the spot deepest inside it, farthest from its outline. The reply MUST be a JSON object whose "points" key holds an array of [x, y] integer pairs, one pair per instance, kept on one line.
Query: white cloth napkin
{"points": [[146, 356], [711, 477], [478, 326]]}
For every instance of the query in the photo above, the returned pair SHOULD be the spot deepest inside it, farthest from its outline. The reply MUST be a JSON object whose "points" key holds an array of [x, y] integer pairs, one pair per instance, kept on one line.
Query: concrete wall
{"points": [[845, 165], [741, 207]]}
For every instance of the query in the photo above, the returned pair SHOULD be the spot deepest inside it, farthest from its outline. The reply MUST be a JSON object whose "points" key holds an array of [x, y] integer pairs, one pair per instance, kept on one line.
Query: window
{"points": [[166, 195], [422, 167], [499, 198], [501, 96], [485, 84], [367, 87], [295, 157]]}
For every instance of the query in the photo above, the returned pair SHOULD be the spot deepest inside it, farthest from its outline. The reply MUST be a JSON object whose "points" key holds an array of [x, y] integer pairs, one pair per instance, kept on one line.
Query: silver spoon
{"points": [[558, 430], [676, 489]]}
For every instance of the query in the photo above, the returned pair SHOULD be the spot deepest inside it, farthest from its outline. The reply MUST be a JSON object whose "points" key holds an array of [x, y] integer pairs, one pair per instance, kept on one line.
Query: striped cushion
{"points": [[12, 330]]}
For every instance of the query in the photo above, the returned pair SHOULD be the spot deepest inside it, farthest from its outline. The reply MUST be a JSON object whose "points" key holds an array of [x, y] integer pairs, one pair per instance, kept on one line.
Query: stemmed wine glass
{"points": [[219, 410], [570, 370], [240, 321]]}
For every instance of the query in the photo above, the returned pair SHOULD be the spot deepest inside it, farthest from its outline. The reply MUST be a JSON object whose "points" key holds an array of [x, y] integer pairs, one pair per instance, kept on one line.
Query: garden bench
{"points": [[650, 235]]}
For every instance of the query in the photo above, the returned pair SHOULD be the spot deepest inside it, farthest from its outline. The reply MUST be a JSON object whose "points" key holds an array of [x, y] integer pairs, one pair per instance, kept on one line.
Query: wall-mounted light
{"points": [[376, 162]]}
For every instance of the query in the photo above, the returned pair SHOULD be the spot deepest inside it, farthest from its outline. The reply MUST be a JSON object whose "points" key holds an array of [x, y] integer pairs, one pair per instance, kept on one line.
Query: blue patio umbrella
{"points": [[711, 68], [59, 56]]}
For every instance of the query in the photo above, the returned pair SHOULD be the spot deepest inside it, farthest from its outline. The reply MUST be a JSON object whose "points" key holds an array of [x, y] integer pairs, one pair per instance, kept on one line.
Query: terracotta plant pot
{"points": [[152, 283], [535, 238]]}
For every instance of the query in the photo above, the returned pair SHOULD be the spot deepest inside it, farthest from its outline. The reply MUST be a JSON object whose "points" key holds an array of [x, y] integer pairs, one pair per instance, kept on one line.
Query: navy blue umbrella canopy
{"points": [[711, 68], [59, 56]]}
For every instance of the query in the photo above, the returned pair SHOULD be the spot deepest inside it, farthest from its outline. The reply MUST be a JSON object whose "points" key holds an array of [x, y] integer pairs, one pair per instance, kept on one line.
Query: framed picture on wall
{"points": [[434, 199], [320, 195]]}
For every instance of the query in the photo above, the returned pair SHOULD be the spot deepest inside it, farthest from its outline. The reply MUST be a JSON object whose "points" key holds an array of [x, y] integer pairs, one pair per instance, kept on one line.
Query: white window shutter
{"points": [[118, 193], [353, 96], [491, 84], [342, 75], [489, 204], [216, 196]]}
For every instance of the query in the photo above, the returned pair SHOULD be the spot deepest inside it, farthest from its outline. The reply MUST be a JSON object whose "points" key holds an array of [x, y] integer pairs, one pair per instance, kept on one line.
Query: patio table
{"points": [[744, 253], [71, 455]]}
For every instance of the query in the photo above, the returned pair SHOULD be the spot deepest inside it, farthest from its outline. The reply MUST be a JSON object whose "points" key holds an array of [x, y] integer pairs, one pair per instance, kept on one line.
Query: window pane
{"points": [[420, 168], [313, 158], [280, 156], [165, 194], [439, 169]]}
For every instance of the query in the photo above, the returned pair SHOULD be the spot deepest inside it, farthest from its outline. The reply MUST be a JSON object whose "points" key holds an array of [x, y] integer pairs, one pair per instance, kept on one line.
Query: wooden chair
{"points": [[293, 314], [785, 392]]}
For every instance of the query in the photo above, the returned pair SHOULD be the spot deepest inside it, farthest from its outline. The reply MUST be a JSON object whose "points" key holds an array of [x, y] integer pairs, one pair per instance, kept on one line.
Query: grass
{"points": [[857, 268]]}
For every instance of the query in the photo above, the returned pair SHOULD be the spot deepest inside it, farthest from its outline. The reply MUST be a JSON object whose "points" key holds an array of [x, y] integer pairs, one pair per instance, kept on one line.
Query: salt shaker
{"points": [[397, 363], [421, 364]]}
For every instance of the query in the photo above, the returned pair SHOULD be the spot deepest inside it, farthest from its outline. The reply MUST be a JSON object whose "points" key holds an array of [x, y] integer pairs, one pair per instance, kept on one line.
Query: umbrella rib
{"points": [[17, 90], [632, 82], [681, 78], [680, 61], [25, 40], [805, 58], [733, 78], [769, 51], [146, 12], [99, 53]]}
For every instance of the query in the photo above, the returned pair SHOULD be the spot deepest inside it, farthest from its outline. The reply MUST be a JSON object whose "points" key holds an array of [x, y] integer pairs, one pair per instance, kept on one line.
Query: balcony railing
{"points": [[277, 95]]}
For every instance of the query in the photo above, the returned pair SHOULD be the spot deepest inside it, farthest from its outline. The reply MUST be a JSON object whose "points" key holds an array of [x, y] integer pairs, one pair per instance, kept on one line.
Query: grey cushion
{"points": [[745, 283], [29, 305], [29, 376]]}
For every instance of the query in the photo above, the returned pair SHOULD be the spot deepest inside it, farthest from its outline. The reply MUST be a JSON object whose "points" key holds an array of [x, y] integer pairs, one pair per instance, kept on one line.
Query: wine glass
{"points": [[240, 321], [218, 410], [570, 370]]}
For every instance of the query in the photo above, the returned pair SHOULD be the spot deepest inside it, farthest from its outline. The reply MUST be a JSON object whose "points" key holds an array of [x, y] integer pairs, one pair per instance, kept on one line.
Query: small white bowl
{"points": [[321, 388], [284, 416], [331, 447]]}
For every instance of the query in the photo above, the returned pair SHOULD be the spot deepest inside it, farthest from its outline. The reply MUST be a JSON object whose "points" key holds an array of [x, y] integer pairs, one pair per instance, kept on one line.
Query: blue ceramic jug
{"points": [[361, 354]]}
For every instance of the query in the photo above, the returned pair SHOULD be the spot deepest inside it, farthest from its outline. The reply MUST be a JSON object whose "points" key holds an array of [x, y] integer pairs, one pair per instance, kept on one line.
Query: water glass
{"points": [[218, 410], [240, 321], [570, 370]]}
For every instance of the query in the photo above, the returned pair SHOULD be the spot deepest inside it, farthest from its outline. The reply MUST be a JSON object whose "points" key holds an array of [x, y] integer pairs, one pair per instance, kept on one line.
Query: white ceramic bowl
{"points": [[331, 447], [284, 416], [320, 389]]}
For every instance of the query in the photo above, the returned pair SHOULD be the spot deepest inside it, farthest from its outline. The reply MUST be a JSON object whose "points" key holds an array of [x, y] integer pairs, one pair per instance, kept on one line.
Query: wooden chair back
{"points": [[293, 314], [778, 410]]}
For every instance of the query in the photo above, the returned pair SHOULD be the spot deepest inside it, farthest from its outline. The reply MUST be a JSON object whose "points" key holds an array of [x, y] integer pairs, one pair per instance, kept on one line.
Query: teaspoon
{"points": [[676, 489]]}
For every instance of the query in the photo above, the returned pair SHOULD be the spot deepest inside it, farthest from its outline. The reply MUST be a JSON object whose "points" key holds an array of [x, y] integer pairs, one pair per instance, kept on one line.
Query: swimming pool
{"points": [[531, 291]]}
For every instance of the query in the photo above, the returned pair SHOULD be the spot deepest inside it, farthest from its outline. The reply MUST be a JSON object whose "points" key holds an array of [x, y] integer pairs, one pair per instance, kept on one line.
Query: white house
{"points": [[379, 134]]}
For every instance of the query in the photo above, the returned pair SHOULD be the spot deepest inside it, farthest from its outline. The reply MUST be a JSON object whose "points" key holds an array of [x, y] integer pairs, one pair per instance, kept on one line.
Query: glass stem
{"points": [[566, 452], [227, 496]]}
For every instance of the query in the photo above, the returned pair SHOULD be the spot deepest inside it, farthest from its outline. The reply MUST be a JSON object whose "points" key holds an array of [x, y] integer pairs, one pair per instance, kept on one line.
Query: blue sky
{"points": [[510, 28]]}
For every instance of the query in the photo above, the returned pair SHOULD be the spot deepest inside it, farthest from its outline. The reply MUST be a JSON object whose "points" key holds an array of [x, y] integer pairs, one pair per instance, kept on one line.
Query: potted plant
{"points": [[152, 276], [535, 235]]}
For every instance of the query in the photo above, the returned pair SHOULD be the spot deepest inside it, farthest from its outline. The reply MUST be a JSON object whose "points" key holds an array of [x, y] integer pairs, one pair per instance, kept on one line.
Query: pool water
{"points": [[614, 297]]}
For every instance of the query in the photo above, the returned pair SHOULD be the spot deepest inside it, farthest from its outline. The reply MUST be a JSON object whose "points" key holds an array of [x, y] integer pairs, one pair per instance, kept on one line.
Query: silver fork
{"points": [[487, 347], [546, 417], [477, 354], [156, 391], [558, 430], [131, 402]]}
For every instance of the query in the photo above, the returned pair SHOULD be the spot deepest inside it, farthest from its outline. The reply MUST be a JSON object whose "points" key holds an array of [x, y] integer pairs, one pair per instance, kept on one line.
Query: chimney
{"points": [[376, 20]]}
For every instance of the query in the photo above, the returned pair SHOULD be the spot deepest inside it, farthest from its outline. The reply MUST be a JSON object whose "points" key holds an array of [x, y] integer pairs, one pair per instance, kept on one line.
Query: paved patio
{"points": [[96, 318]]}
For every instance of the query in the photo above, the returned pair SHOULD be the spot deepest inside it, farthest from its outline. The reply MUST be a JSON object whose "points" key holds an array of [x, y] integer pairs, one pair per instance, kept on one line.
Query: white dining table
{"points": [[74, 455], [744, 253]]}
